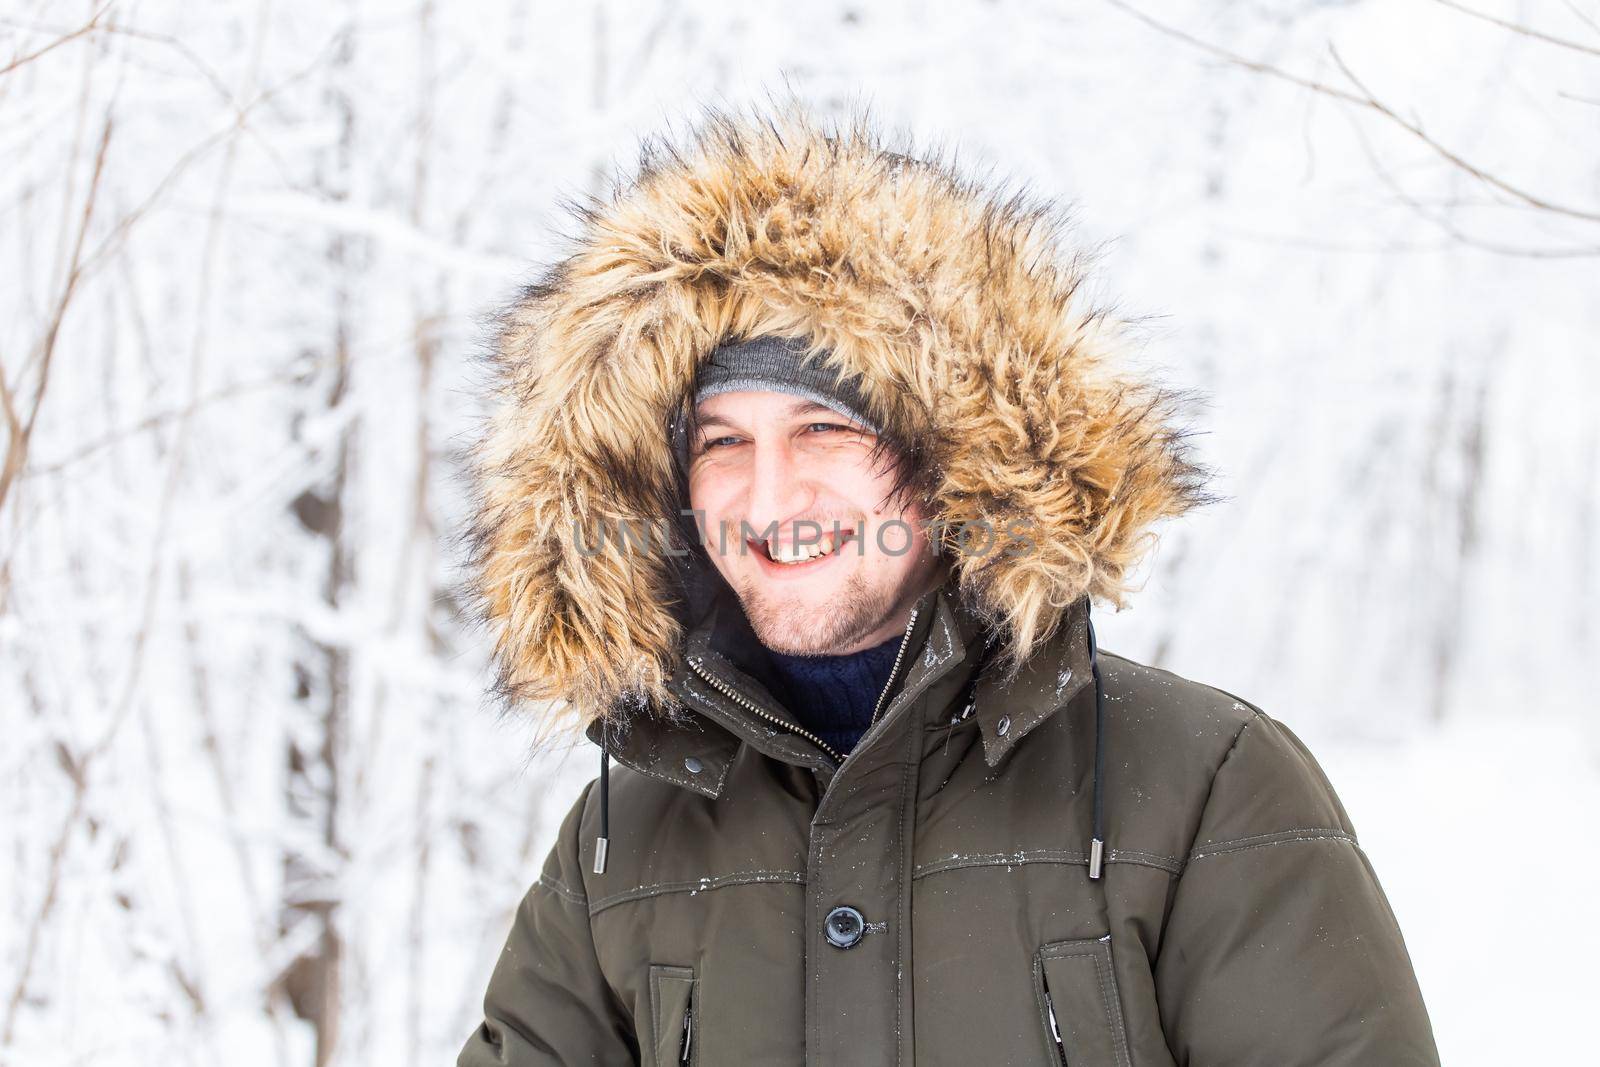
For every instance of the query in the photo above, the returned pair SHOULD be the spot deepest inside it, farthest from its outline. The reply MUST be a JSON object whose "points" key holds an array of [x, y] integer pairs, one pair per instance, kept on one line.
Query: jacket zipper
{"points": [[688, 1035], [1055, 1031], [729, 692], [894, 670]]}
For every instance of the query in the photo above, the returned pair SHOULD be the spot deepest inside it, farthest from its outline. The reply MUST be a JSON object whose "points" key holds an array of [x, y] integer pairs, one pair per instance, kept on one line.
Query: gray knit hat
{"points": [[772, 364]]}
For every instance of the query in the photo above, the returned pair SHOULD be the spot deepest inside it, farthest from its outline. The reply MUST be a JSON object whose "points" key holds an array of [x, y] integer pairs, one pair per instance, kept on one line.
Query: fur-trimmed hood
{"points": [[961, 308]]}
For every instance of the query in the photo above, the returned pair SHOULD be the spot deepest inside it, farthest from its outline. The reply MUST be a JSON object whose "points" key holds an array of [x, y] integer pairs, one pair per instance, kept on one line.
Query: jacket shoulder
{"points": [[1188, 712], [1170, 728], [1195, 768]]}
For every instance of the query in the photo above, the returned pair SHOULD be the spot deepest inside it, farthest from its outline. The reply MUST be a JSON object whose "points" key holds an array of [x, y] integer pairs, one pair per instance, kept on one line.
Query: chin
{"points": [[805, 621], [791, 612]]}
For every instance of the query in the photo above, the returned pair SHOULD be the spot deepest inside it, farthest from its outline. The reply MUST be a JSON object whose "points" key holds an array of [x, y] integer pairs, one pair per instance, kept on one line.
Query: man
{"points": [[878, 797]]}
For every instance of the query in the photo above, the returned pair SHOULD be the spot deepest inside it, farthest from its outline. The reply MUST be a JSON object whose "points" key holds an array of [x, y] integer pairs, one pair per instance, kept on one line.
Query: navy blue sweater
{"points": [[833, 696]]}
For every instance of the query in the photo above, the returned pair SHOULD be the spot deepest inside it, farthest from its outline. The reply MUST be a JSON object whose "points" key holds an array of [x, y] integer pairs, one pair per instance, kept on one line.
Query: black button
{"points": [[844, 926]]}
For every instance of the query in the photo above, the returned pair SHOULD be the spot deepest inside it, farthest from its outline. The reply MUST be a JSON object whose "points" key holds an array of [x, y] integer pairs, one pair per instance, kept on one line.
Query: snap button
{"points": [[1005, 724], [692, 764], [844, 926]]}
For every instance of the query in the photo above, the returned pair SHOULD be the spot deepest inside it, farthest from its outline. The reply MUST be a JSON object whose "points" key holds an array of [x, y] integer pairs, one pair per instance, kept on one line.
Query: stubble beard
{"points": [[785, 625]]}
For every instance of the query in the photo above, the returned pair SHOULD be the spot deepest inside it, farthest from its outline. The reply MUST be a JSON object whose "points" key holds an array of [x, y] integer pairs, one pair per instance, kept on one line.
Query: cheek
{"points": [[891, 510], [712, 500], [897, 536], [709, 490]]}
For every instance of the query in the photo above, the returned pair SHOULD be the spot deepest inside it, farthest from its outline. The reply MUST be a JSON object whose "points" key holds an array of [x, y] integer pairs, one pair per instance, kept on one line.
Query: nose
{"points": [[777, 489]]}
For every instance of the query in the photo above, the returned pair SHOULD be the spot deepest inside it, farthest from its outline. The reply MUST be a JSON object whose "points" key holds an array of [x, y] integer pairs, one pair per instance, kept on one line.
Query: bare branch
{"points": [[1365, 99], [155, 419], [20, 434], [1582, 16], [222, 137], [47, 903], [1414, 128], [72, 35], [1517, 27], [1444, 222]]}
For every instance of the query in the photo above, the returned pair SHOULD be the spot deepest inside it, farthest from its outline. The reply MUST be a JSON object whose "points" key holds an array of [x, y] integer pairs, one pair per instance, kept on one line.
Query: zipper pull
{"points": [[1055, 1031], [688, 1034]]}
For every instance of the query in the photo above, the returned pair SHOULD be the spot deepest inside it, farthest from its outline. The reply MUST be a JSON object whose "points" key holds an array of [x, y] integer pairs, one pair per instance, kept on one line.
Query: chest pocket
{"points": [[670, 1042], [1079, 1007]]}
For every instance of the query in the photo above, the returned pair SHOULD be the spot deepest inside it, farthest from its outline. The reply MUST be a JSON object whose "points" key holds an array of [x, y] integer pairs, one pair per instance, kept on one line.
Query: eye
{"points": [[713, 442], [826, 426]]}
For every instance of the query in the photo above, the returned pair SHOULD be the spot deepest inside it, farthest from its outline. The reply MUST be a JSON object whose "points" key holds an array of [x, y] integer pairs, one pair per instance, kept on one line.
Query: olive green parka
{"points": [[1041, 852]]}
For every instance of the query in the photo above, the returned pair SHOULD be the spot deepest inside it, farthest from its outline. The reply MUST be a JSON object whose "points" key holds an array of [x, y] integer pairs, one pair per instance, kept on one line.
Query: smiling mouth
{"points": [[790, 555]]}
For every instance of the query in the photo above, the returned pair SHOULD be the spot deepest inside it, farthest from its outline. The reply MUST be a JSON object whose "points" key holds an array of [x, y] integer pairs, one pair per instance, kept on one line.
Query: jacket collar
{"points": [[1008, 709], [694, 743]]}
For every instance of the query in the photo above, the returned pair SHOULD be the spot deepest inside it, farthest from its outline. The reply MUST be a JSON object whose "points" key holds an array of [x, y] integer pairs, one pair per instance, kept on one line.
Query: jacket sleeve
{"points": [[548, 1002], [1280, 947]]}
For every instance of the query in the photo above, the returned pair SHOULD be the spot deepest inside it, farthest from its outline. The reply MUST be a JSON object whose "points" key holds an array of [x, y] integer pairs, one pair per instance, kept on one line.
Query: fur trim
{"points": [[956, 304]]}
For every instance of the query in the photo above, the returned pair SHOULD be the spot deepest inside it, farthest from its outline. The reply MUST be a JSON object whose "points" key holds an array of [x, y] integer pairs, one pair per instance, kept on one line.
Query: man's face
{"points": [[791, 472]]}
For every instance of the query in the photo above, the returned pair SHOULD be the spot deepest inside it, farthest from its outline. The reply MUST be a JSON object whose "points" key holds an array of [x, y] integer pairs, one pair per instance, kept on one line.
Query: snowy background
{"points": [[255, 807]]}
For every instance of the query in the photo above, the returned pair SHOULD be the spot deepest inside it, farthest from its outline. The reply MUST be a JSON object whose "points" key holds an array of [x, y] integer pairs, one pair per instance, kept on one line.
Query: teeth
{"points": [[792, 554]]}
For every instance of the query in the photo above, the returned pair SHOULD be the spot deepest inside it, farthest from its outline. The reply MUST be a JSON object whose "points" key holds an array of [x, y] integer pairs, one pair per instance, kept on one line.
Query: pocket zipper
{"points": [[1055, 1031], [688, 1035]]}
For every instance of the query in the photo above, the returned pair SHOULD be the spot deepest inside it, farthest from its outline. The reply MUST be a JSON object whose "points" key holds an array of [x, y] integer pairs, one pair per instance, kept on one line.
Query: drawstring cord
{"points": [[601, 842], [1097, 842]]}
